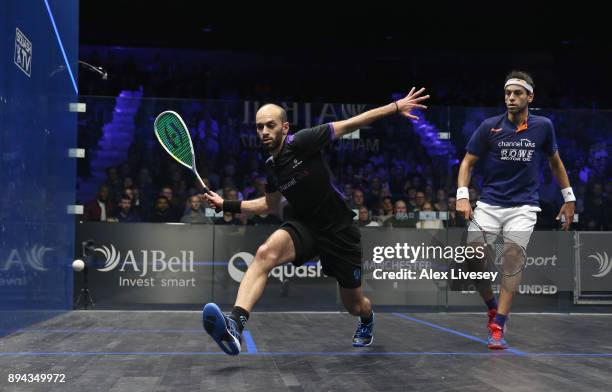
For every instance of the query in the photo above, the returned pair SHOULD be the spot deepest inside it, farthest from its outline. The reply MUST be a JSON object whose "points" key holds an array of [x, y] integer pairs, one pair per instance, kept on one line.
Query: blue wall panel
{"points": [[38, 64]]}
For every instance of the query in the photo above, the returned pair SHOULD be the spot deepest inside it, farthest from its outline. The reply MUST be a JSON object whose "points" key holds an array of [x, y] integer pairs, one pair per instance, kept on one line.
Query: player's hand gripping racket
{"points": [[173, 135], [503, 254]]}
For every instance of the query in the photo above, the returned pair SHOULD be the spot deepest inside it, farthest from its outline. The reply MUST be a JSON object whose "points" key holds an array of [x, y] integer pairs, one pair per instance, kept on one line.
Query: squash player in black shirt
{"points": [[322, 224]]}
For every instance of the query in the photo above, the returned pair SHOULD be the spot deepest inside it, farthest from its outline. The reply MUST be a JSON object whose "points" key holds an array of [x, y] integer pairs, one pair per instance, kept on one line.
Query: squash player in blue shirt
{"points": [[322, 225], [513, 146]]}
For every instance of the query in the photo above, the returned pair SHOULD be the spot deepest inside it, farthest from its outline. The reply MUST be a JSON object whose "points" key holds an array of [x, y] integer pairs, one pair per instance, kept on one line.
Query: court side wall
{"points": [[38, 76]]}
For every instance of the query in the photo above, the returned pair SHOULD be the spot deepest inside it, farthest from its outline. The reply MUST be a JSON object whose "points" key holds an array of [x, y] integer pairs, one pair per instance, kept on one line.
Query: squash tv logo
{"points": [[23, 53]]}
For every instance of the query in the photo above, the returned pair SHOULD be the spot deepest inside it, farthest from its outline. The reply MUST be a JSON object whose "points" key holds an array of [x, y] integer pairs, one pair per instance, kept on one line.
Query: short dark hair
{"points": [[515, 74]]}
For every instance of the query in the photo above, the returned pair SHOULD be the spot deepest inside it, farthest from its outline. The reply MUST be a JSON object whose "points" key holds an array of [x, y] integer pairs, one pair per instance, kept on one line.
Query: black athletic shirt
{"points": [[301, 174]]}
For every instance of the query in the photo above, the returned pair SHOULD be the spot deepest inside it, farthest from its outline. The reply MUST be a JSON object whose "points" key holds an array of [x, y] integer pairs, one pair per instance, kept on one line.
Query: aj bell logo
{"points": [[34, 257], [158, 259], [604, 262], [281, 272]]}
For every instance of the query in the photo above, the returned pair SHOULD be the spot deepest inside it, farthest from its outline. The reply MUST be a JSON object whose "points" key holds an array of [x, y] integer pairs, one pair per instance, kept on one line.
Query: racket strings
{"points": [[173, 135]]}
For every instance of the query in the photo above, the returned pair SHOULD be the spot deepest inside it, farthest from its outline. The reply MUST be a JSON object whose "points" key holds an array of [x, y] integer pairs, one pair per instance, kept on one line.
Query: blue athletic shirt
{"points": [[513, 157]]}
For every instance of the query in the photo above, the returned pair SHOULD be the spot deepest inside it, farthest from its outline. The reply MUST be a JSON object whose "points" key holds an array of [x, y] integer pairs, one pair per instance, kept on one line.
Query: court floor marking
{"points": [[249, 342], [252, 348], [452, 331]]}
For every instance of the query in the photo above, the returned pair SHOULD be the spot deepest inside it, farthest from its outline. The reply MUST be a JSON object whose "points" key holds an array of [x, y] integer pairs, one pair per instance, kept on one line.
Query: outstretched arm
{"points": [[567, 209], [267, 204], [403, 106]]}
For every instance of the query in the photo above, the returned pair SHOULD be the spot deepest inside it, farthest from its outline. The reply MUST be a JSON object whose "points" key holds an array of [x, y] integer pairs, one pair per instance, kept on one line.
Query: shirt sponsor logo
{"points": [[287, 185], [519, 151]]}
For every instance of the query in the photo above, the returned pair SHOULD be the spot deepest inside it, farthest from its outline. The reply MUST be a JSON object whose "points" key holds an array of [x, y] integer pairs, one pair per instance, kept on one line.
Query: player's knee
{"points": [[353, 309], [514, 250], [266, 257], [356, 307]]}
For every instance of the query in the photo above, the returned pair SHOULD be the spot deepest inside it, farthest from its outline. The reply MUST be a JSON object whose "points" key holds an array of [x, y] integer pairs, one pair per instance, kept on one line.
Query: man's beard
{"points": [[274, 143]]}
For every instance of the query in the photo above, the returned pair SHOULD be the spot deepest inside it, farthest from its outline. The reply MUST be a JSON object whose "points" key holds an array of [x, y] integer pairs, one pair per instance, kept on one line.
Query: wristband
{"points": [[232, 206], [568, 194], [463, 193]]}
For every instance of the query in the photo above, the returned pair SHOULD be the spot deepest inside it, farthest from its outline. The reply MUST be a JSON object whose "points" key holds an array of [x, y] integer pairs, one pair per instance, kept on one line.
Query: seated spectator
{"points": [[162, 212], [410, 195], [429, 223], [387, 205], [176, 207], [419, 201], [441, 200], [195, 213], [348, 192], [401, 217], [228, 185], [364, 218], [377, 213], [125, 213], [358, 199], [376, 191], [99, 209], [138, 204]]}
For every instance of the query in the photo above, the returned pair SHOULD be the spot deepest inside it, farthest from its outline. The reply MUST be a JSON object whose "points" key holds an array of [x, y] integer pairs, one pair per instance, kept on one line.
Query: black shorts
{"points": [[339, 250]]}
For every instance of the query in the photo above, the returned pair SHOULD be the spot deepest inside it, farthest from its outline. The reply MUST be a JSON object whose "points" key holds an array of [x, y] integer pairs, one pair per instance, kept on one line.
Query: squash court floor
{"points": [[169, 351]]}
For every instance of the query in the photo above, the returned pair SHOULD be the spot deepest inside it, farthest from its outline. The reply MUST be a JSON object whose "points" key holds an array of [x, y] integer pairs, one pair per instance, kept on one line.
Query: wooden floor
{"points": [[169, 351]]}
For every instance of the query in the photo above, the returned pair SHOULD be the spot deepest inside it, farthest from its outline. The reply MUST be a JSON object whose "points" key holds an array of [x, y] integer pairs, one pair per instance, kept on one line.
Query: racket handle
{"points": [[206, 190]]}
